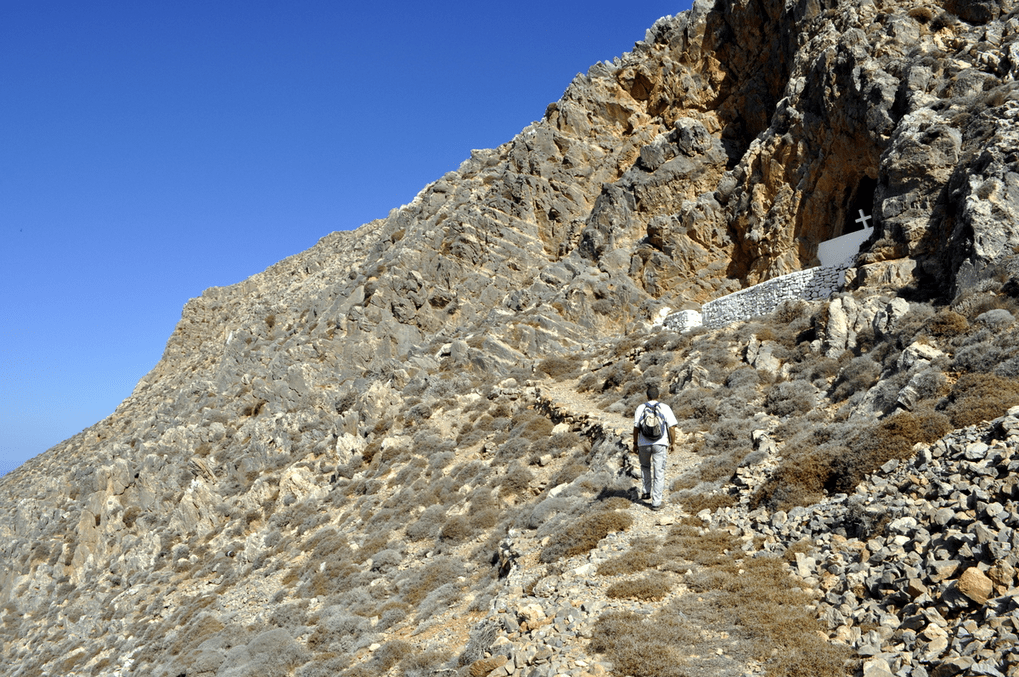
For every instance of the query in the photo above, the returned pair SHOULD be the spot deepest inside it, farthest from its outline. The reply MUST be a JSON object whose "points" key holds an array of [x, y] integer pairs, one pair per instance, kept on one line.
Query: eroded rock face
{"points": [[715, 155]]}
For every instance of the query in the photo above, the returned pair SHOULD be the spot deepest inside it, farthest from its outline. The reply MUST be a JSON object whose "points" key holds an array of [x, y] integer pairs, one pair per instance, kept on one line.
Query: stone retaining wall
{"points": [[810, 285]]}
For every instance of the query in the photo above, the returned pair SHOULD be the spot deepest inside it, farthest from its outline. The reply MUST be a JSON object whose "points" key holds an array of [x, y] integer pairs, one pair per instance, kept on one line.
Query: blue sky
{"points": [[149, 151]]}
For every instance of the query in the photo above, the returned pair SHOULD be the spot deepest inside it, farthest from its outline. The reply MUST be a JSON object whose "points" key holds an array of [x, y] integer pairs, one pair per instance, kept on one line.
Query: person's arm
{"points": [[672, 435], [635, 439]]}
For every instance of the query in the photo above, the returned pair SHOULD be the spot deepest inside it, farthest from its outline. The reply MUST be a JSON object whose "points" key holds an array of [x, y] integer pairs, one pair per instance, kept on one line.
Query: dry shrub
{"points": [[456, 529], [830, 460], [203, 628], [641, 645], [583, 534], [417, 583], [290, 616], [695, 502], [372, 544], [721, 467], [372, 448], [974, 302], [325, 542], [730, 437], [980, 397], [946, 324], [687, 480], [800, 479], [339, 631], [708, 548], [634, 560], [531, 426], [698, 404], [893, 438], [130, 516], [859, 375], [567, 474], [653, 587], [417, 414], [760, 598], [980, 356], [427, 524], [422, 663], [484, 509], [790, 398], [615, 503], [564, 441], [327, 578], [388, 655], [804, 545], [516, 480], [813, 366], [557, 367]]}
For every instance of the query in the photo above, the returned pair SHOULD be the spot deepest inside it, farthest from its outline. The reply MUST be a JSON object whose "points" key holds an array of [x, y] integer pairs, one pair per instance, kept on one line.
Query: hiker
{"points": [[652, 448]]}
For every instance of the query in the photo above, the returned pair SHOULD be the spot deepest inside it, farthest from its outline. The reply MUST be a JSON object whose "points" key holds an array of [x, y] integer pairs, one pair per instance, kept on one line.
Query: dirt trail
{"points": [[714, 647], [583, 413]]}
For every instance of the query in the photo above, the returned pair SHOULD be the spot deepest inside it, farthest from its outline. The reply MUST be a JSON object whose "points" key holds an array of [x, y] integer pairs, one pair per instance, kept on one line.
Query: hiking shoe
{"points": [[656, 508], [645, 496]]}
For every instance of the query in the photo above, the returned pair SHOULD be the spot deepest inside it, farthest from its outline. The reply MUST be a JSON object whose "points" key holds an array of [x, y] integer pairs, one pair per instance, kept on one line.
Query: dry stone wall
{"points": [[810, 285]]}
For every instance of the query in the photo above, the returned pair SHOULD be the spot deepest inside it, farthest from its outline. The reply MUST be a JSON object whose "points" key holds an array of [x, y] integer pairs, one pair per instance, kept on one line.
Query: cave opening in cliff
{"points": [[860, 210]]}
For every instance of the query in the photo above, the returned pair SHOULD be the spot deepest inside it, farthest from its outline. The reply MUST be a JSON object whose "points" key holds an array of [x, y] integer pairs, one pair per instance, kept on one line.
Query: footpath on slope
{"points": [[542, 622], [561, 401]]}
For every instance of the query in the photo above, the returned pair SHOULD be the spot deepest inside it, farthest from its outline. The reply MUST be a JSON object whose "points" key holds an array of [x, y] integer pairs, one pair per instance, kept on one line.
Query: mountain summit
{"points": [[404, 450]]}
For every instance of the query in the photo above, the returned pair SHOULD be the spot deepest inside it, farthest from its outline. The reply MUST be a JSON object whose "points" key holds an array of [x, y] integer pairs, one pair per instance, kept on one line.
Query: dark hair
{"points": [[652, 391]]}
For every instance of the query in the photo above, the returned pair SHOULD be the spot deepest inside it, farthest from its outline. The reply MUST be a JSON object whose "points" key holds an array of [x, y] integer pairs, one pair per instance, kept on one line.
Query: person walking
{"points": [[653, 435]]}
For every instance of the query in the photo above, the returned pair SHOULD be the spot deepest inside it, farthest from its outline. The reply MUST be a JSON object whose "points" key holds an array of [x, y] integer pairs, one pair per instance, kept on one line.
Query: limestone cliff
{"points": [[717, 154]]}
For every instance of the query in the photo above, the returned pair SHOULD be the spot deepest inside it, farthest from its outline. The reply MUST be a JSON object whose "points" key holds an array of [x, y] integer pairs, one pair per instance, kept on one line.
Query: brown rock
{"points": [[915, 588], [975, 585], [482, 667], [1002, 573]]}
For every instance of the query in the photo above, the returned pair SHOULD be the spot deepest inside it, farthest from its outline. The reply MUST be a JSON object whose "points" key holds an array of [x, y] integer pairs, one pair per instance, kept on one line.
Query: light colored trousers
{"points": [[652, 470]]}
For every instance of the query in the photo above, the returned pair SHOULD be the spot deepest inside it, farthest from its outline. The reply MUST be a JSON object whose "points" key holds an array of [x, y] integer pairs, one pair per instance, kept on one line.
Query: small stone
{"points": [[935, 648], [976, 585], [952, 667], [976, 451], [915, 588], [944, 570], [531, 614], [484, 666]]}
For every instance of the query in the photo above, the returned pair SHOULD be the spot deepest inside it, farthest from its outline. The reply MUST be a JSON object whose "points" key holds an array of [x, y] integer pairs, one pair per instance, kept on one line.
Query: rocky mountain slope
{"points": [[403, 450]]}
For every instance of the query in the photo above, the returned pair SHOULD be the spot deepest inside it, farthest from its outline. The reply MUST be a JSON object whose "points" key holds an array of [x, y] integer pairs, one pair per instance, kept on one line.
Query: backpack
{"points": [[652, 426]]}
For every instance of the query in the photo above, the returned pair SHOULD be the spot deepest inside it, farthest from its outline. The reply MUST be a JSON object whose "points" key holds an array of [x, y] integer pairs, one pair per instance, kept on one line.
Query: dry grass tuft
{"points": [[695, 502], [634, 560], [641, 645], [980, 397], [761, 599], [583, 534], [708, 548], [652, 587]]}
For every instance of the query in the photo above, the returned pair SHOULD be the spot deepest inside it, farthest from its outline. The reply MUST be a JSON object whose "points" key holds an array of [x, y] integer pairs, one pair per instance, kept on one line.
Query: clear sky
{"points": [[149, 151]]}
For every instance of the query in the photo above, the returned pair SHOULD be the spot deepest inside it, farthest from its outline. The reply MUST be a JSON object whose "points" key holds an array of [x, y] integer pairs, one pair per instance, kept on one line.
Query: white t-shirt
{"points": [[665, 412]]}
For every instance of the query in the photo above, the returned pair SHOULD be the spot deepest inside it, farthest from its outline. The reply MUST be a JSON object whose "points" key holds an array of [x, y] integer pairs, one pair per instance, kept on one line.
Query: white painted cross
{"points": [[864, 219]]}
